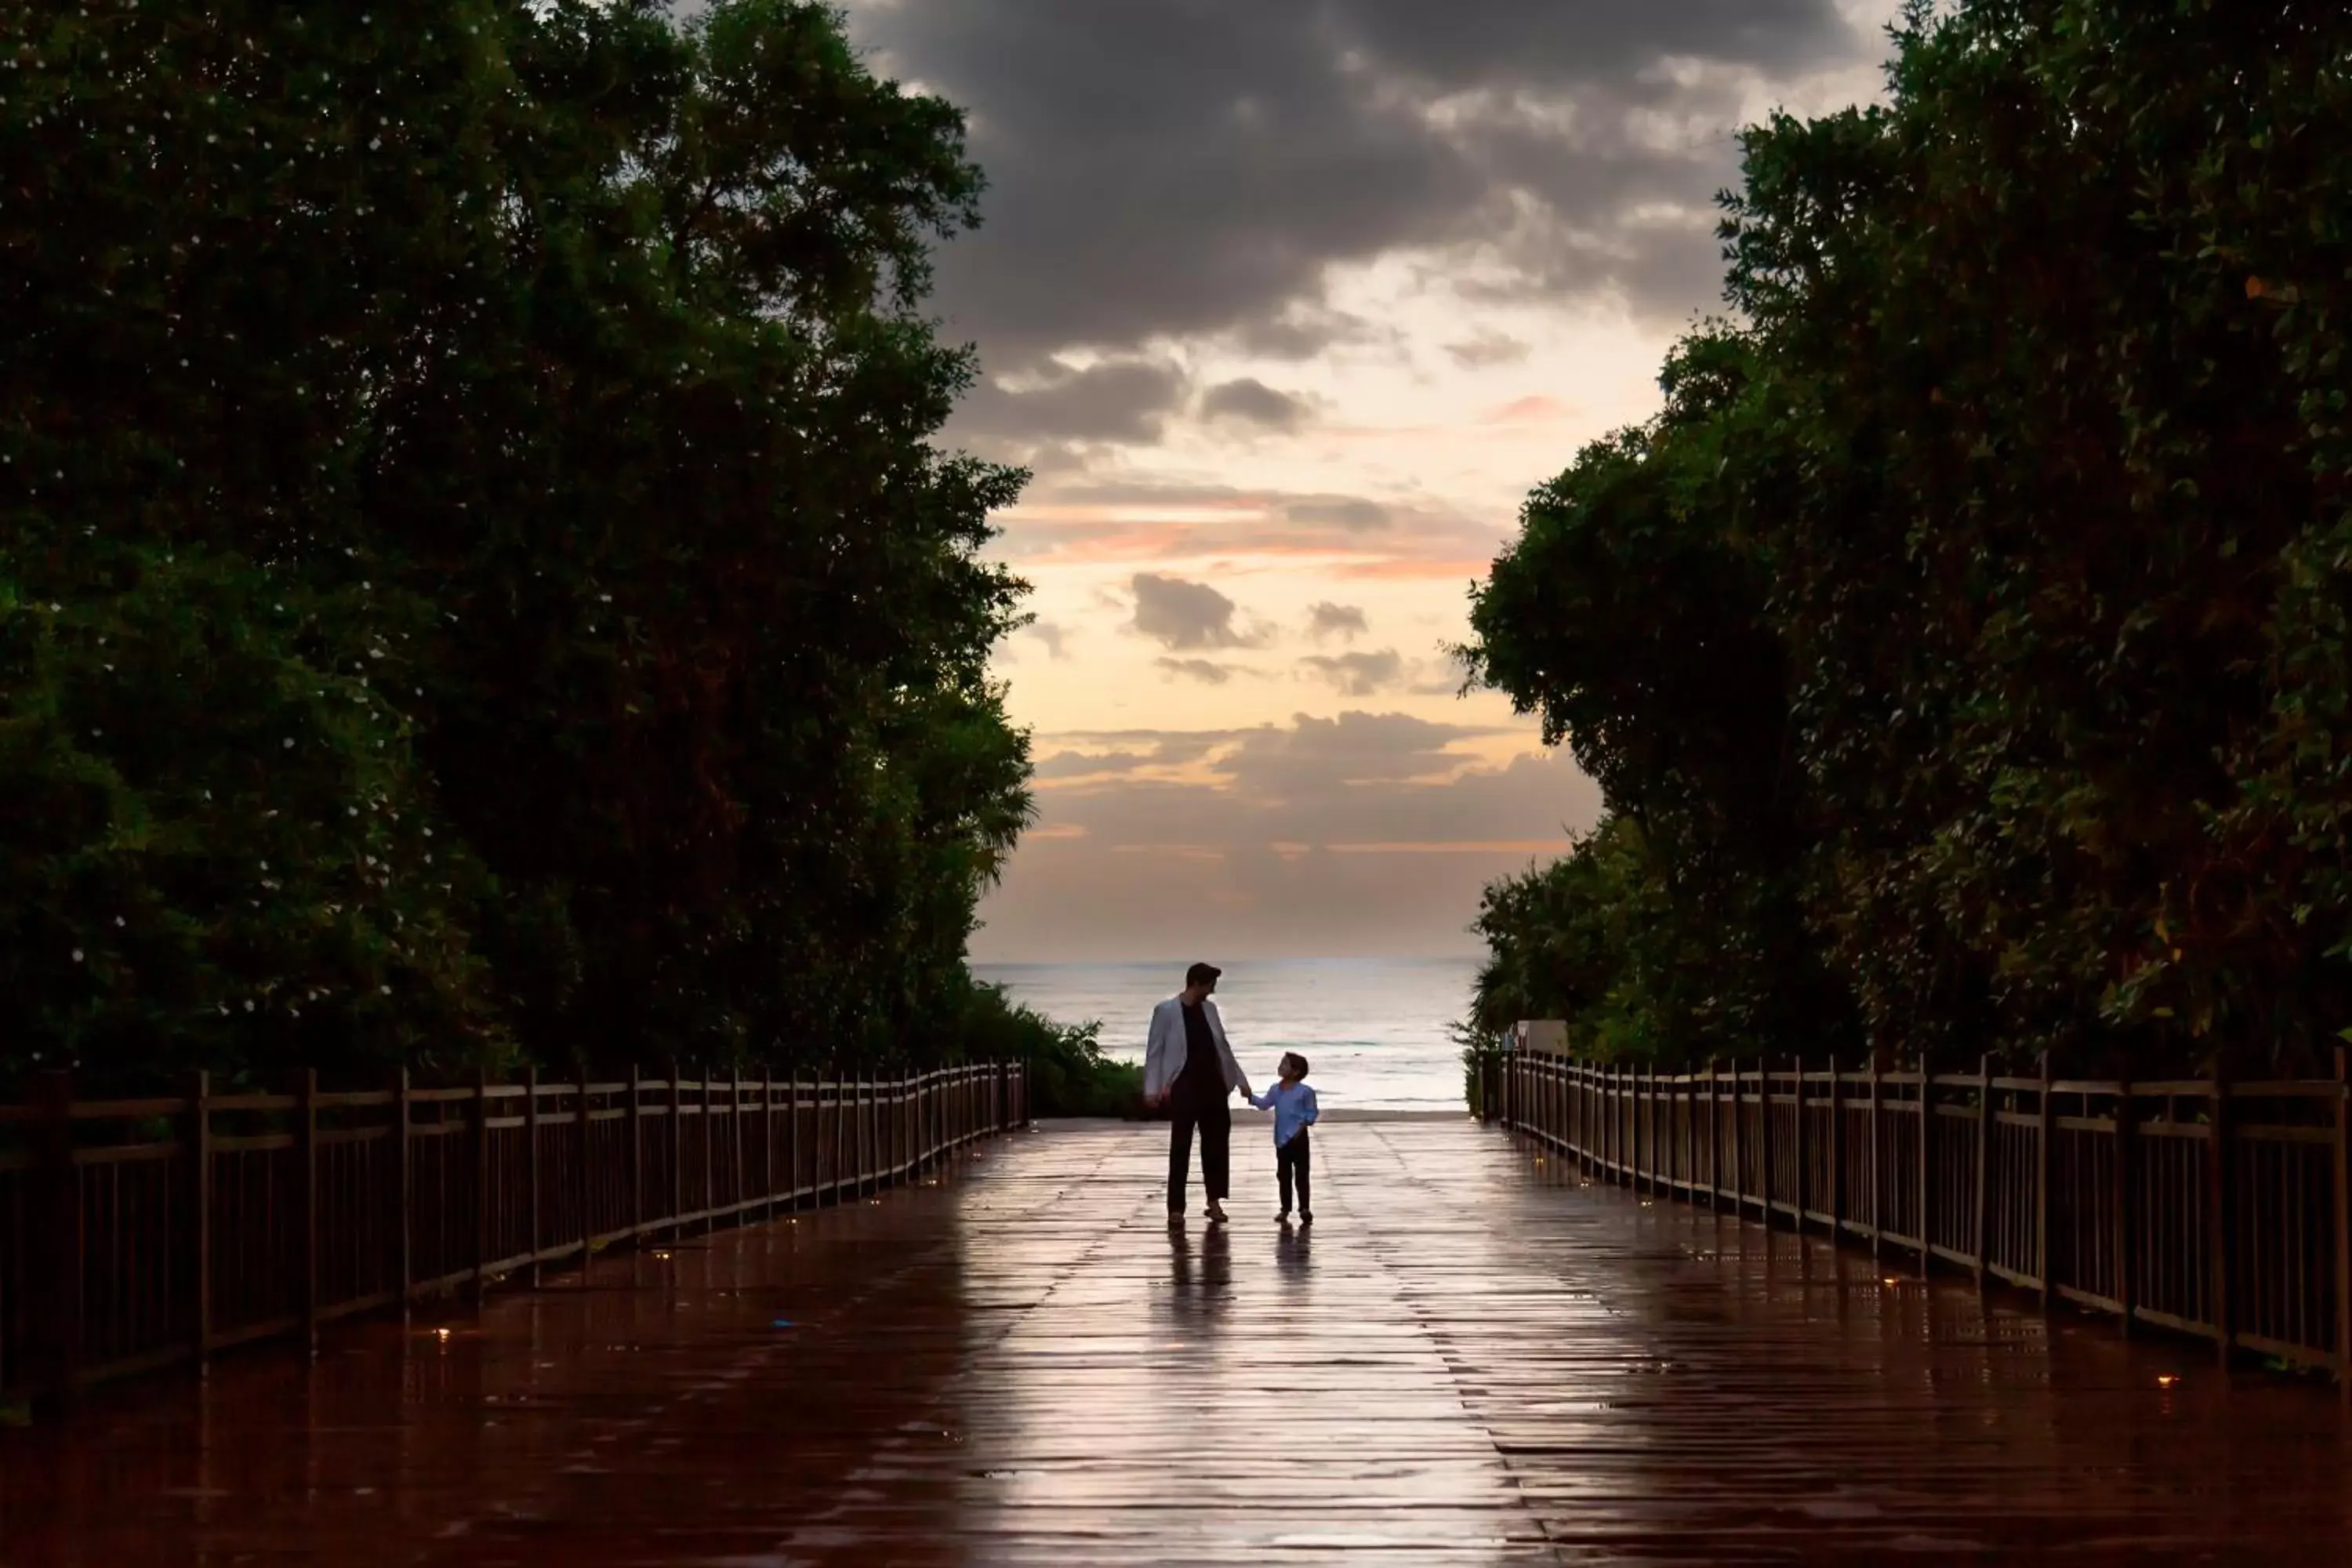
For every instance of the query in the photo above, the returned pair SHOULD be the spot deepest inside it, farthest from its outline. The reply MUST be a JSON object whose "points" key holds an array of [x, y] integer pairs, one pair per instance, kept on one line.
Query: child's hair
{"points": [[1290, 1056]]}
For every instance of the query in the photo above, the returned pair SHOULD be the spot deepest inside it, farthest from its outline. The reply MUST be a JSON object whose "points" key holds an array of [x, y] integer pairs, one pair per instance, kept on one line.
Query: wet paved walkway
{"points": [[1470, 1359]]}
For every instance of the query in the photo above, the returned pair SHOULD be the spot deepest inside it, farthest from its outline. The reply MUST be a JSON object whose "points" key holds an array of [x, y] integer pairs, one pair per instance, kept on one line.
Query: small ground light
{"points": [[2167, 1380], [1890, 1284], [441, 1334]]}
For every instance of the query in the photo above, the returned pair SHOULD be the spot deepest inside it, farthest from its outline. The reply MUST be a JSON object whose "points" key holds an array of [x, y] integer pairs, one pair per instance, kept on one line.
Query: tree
{"points": [[506, 588], [2036, 478], [1631, 615]]}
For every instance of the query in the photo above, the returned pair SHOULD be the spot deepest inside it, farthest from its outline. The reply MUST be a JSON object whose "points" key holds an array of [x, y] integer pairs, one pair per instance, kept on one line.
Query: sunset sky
{"points": [[1288, 303]]}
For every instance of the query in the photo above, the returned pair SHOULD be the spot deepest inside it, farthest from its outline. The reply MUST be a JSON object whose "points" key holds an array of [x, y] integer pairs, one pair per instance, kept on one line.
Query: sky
{"points": [[1288, 304]]}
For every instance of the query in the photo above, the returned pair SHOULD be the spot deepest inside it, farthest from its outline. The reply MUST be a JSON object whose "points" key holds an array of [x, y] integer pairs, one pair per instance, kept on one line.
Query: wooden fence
{"points": [[134, 1233], [2215, 1208]]}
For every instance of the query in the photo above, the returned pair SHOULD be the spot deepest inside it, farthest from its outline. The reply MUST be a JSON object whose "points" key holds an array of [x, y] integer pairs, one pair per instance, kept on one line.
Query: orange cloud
{"points": [[1462, 846], [1527, 410]]}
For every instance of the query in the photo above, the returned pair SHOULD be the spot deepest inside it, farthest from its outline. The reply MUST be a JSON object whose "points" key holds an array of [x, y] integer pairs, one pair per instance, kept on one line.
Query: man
{"points": [[1190, 1068]]}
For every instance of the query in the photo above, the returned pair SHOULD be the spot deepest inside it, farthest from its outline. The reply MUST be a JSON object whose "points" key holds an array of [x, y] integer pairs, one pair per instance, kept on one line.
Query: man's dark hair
{"points": [[1201, 974], [1289, 1056]]}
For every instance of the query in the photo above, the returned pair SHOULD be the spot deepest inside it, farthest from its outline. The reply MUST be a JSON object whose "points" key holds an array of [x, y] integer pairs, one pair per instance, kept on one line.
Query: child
{"points": [[1293, 1104]]}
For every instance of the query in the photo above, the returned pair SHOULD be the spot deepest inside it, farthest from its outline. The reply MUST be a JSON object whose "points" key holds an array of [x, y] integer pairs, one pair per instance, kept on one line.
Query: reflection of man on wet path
{"points": [[1188, 1067]]}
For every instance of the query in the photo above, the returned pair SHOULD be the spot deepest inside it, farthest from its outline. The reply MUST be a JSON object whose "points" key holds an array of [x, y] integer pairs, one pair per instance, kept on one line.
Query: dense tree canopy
{"points": [[1980, 625], [475, 576]]}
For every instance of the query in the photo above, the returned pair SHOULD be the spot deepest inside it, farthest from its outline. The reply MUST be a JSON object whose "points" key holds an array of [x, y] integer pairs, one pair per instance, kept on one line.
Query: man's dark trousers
{"points": [[1215, 1122]]}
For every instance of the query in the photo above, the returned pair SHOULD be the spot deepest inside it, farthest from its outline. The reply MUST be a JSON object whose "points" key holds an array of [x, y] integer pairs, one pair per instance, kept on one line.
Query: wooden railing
{"points": [[2219, 1210], [134, 1233]]}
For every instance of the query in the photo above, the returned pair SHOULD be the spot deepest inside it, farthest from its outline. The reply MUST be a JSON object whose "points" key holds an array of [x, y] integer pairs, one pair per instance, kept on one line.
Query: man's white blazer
{"points": [[1165, 1048]]}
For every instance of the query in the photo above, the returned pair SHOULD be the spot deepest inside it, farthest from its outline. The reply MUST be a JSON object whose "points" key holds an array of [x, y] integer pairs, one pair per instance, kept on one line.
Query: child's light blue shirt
{"points": [[1293, 1107]]}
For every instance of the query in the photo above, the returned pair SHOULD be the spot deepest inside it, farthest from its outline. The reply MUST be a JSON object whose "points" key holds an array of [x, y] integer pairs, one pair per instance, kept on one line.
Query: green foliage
{"points": [[1068, 1074], [505, 594], [1481, 1048], [1631, 615], [2030, 480], [1592, 939]]}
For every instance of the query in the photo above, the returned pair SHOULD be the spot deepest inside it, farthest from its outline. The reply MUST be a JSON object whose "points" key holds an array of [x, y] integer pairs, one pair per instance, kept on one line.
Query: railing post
{"points": [[587, 1183], [2343, 1230], [1927, 1165], [1739, 1153], [2217, 1174], [403, 1103], [1877, 1187], [739, 1193], [2042, 1250], [305, 1145], [636, 1212], [710, 1152], [2124, 1297], [736, 1194], [767, 1137], [677, 1150], [1714, 1140], [1634, 1162], [1764, 1138], [1984, 1163], [200, 1189], [55, 1275], [1836, 1207], [792, 1143], [1797, 1149], [482, 1184], [531, 1166]]}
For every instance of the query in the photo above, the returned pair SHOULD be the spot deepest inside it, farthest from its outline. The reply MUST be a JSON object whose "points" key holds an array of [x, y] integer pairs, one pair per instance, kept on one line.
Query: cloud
{"points": [[1088, 764], [1353, 514], [1359, 674], [1095, 523], [1251, 401], [1329, 620], [1487, 349], [1055, 636], [1160, 171], [1201, 669], [1119, 401], [1526, 410], [1179, 615], [1367, 833]]}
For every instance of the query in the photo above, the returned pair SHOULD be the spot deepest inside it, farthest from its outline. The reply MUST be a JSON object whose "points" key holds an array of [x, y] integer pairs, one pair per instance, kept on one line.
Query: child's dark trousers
{"points": [[1290, 1162]]}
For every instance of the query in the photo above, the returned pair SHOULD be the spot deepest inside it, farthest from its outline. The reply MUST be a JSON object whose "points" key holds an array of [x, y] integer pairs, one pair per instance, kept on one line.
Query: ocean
{"points": [[1372, 1030]]}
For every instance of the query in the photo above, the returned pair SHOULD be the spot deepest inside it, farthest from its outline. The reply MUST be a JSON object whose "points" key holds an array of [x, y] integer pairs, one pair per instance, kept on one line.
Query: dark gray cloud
{"points": [[1180, 615], [1087, 764], [1164, 168], [1253, 402], [1352, 512], [1487, 349], [1206, 671], [1359, 674], [1055, 636], [1329, 620], [1120, 400]]}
